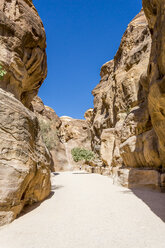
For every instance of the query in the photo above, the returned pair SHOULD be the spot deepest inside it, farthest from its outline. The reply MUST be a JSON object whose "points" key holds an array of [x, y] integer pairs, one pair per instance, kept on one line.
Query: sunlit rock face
{"points": [[24, 159], [128, 120], [155, 13], [46, 112], [22, 46], [75, 133], [62, 134], [50, 125], [122, 130]]}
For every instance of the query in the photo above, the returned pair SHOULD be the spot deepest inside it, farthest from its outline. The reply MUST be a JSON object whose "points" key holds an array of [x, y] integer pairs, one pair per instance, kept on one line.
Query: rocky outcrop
{"points": [[127, 126], [24, 159], [63, 134], [22, 46], [89, 116], [50, 125], [40, 109], [154, 11], [121, 118], [74, 133]]}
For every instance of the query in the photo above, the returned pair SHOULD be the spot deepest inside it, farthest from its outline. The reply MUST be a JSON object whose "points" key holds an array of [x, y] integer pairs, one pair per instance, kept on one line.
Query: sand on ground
{"points": [[88, 211]]}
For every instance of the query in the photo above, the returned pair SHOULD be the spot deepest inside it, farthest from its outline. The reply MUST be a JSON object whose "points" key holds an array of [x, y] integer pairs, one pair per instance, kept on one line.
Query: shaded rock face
{"points": [[122, 132], [22, 46], [24, 160]]}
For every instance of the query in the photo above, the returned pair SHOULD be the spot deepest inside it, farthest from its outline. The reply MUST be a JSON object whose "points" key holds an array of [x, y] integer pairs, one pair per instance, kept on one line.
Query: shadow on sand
{"points": [[56, 187], [55, 173], [29, 208], [80, 173], [154, 200]]}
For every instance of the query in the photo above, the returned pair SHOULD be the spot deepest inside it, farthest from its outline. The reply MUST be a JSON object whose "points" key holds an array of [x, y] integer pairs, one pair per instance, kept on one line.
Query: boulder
{"points": [[133, 178]]}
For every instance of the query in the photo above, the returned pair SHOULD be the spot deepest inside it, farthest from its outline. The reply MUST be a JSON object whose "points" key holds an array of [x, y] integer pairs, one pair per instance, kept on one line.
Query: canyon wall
{"points": [[61, 135], [128, 118], [154, 11], [50, 125], [24, 160], [75, 133]]}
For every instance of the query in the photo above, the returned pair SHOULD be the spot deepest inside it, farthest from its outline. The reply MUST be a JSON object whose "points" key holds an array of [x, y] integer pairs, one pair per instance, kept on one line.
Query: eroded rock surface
{"points": [[127, 127], [154, 11], [74, 134], [40, 109], [128, 118], [22, 46], [62, 134], [121, 118], [50, 125], [24, 160]]}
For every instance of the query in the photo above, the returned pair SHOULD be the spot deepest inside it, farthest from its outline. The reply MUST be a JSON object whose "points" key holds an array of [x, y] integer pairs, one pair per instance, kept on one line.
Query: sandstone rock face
{"points": [[63, 134], [50, 125], [24, 160], [22, 46], [89, 116], [107, 144], [122, 132], [40, 109], [137, 178], [128, 118], [74, 133], [154, 11]]}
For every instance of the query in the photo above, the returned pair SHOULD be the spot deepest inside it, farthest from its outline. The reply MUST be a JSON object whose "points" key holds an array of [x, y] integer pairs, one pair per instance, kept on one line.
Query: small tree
{"points": [[49, 135], [80, 154], [2, 72]]}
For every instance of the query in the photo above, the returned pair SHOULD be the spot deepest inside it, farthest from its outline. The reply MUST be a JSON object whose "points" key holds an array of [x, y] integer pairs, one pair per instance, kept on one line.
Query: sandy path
{"points": [[88, 211]]}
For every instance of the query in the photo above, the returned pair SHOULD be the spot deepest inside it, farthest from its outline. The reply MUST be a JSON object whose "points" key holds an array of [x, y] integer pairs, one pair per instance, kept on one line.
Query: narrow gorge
{"points": [[124, 133]]}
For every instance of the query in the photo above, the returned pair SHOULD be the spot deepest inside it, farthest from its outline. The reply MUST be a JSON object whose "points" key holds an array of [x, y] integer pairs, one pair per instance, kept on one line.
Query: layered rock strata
{"points": [[22, 46], [74, 134], [127, 125], [121, 114], [50, 125], [40, 109], [63, 134], [24, 159], [154, 11]]}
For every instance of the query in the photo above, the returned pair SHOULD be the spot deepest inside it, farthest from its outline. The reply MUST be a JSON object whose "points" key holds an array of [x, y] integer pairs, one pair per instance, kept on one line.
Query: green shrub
{"points": [[2, 72], [49, 135], [80, 154]]}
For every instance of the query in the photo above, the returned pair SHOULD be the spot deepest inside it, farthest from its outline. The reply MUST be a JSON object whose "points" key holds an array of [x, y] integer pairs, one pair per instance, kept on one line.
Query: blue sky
{"points": [[81, 36]]}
